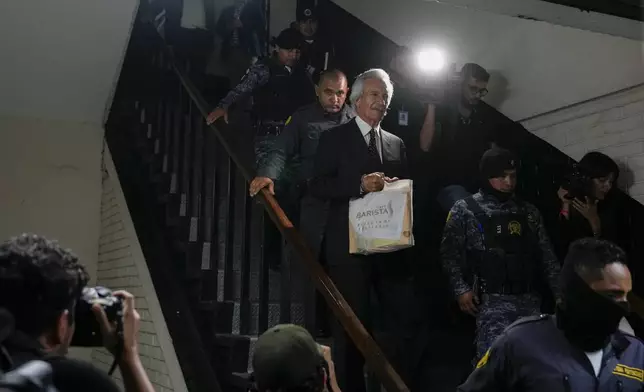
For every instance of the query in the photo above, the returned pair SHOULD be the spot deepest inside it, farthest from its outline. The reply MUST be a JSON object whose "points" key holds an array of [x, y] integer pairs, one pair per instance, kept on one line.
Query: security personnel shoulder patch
{"points": [[629, 372], [449, 216], [483, 361], [288, 120], [527, 320]]}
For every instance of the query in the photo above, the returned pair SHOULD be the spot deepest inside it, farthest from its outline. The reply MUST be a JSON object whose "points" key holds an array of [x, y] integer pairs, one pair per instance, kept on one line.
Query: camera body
{"points": [[88, 331], [578, 184]]}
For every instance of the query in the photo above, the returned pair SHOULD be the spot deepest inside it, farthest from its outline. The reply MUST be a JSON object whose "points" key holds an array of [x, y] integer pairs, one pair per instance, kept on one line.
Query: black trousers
{"points": [[365, 282]]}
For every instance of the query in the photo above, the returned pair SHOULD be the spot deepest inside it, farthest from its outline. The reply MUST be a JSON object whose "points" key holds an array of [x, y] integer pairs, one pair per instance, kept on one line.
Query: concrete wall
{"points": [[61, 59], [612, 124], [193, 15], [282, 14], [121, 265], [537, 66], [50, 184]]}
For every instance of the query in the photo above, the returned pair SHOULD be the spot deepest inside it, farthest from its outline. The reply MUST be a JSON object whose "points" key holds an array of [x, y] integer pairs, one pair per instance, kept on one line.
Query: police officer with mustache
{"points": [[578, 349]]}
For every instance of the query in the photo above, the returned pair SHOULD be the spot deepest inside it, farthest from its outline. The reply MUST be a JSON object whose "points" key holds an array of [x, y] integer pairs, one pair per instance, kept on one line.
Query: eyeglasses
{"points": [[478, 91]]}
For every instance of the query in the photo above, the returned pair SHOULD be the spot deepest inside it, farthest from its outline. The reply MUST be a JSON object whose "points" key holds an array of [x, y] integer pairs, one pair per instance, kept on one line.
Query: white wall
{"points": [[613, 124], [121, 265], [282, 14], [193, 15], [61, 59], [543, 66], [50, 184]]}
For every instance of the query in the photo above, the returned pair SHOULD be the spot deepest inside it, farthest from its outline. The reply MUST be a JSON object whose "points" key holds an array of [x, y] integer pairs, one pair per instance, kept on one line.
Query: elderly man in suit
{"points": [[352, 160]]}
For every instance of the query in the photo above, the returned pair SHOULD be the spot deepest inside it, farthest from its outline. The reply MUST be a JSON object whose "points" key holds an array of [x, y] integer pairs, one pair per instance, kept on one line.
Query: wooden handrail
{"points": [[374, 357]]}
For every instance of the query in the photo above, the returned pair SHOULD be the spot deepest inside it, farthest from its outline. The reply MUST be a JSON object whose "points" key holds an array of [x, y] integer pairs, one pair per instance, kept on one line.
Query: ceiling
{"points": [[629, 9], [621, 18]]}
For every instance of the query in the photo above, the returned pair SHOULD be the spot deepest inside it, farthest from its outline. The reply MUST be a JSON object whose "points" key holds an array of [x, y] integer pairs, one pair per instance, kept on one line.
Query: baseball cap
{"points": [[289, 39], [285, 357]]}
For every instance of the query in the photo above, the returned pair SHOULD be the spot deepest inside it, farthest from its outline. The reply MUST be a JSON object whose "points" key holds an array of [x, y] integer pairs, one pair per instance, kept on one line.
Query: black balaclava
{"points": [[494, 163], [587, 318]]}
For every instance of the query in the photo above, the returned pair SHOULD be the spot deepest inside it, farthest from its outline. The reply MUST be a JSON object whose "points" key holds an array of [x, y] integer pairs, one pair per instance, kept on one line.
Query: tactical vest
{"points": [[283, 94], [509, 261]]}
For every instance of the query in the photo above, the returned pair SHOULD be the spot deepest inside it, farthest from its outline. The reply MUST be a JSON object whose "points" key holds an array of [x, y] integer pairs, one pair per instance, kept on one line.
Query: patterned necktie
{"points": [[373, 147]]}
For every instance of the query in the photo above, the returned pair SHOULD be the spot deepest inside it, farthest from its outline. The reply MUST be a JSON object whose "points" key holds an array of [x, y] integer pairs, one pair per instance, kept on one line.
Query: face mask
{"points": [[587, 318], [501, 196]]}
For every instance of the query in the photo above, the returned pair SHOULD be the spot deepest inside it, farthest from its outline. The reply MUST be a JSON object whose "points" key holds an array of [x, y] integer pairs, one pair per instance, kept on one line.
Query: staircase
{"points": [[200, 232], [202, 236]]}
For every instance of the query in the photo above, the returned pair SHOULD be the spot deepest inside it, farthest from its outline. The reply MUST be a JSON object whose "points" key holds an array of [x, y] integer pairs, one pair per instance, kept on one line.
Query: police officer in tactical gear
{"points": [[277, 86], [496, 251], [317, 50], [578, 349]]}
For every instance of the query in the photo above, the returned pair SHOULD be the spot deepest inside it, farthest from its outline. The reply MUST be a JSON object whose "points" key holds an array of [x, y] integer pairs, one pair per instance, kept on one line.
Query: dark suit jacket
{"points": [[340, 162]]}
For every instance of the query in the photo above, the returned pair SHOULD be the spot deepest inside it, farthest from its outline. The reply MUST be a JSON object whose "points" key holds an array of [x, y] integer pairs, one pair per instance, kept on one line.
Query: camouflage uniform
{"points": [[463, 244], [256, 76], [277, 92]]}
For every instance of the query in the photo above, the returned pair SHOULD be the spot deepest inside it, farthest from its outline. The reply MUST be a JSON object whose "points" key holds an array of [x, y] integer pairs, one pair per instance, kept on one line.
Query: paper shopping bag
{"points": [[382, 222]]}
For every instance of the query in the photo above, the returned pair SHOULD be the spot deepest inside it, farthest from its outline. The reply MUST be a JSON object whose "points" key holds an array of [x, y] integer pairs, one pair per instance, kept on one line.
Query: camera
{"points": [[578, 184], [88, 331]]}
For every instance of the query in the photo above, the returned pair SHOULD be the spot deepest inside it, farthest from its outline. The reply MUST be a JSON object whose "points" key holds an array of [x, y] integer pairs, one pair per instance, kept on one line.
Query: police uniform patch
{"points": [[448, 217], [288, 120], [629, 372], [514, 228], [483, 361]]}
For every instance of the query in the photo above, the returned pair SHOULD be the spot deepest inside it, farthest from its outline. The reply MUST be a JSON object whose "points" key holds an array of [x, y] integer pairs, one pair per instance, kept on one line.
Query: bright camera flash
{"points": [[431, 60]]}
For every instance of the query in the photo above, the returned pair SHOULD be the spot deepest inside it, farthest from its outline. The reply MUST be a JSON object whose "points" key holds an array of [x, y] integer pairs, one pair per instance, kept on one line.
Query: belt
{"points": [[269, 128], [507, 289]]}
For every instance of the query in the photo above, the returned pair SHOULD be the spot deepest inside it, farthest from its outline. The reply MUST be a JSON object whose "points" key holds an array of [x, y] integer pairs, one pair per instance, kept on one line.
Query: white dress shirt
{"points": [[365, 129]]}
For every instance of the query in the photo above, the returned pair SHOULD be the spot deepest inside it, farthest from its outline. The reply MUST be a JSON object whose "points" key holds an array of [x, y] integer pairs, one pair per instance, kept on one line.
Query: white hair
{"points": [[374, 73]]}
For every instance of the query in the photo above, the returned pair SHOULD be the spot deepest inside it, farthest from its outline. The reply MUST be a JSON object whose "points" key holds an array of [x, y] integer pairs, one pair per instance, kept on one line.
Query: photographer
{"points": [[457, 132], [287, 359], [588, 207], [40, 286]]}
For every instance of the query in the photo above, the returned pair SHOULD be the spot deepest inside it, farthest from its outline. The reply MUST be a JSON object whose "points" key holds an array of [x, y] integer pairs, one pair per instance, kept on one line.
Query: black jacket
{"points": [[299, 141], [533, 355], [69, 375], [341, 160], [300, 137]]}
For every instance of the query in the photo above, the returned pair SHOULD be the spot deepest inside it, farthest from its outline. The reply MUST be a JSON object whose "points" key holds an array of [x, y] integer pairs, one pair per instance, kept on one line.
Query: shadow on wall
{"points": [[499, 89], [626, 176]]}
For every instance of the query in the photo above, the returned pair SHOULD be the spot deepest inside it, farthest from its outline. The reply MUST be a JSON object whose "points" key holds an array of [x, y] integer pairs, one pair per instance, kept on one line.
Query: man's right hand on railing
{"points": [[259, 183], [216, 114]]}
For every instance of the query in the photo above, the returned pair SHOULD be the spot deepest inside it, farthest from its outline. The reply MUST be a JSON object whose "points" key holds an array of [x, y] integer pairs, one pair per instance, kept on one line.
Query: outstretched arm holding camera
{"points": [[134, 376], [428, 130]]}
